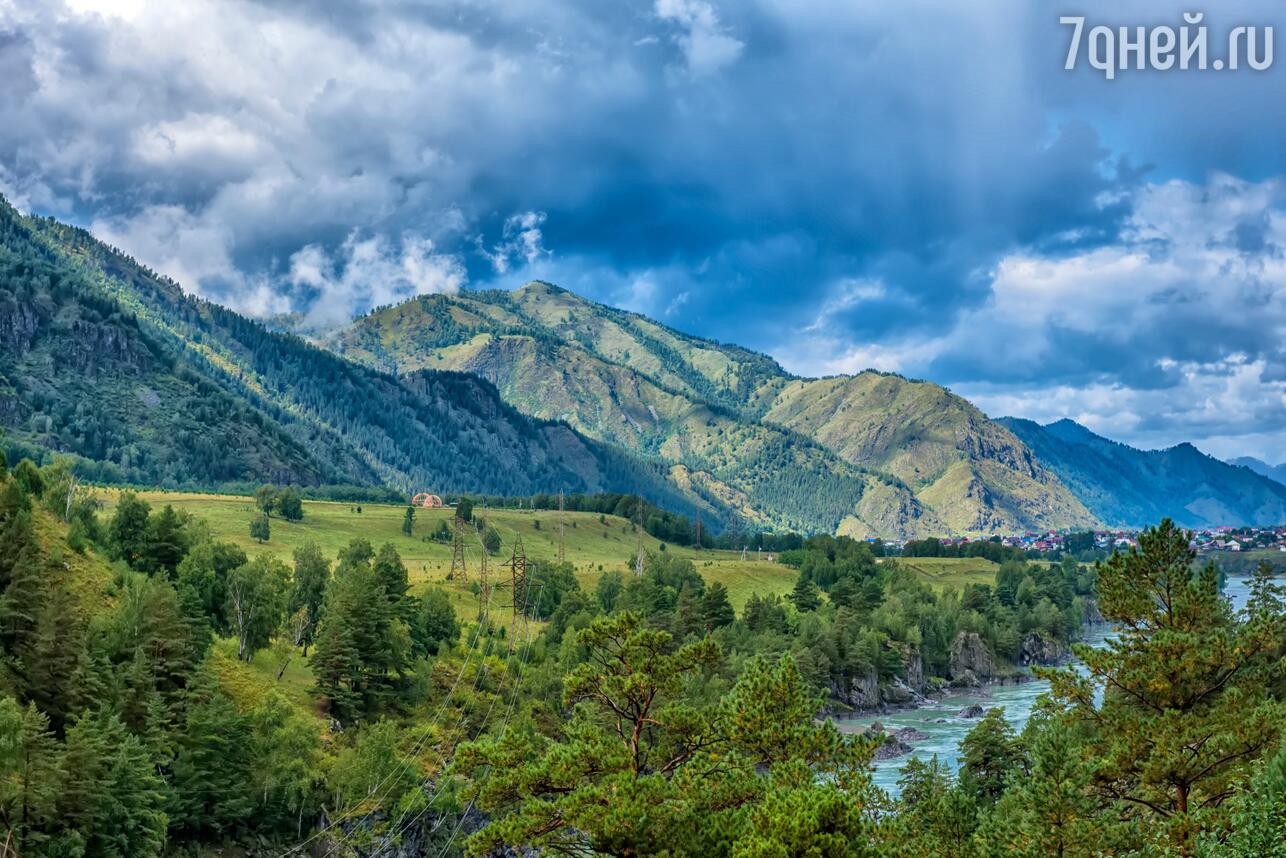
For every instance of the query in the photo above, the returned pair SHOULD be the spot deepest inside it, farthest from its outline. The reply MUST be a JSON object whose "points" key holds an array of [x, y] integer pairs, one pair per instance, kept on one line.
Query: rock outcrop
{"points": [[1037, 649], [970, 663], [894, 742]]}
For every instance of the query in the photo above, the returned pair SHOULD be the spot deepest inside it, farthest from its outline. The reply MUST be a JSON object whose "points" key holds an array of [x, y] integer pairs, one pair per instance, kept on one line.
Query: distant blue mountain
{"points": [[1128, 487], [1273, 472]]}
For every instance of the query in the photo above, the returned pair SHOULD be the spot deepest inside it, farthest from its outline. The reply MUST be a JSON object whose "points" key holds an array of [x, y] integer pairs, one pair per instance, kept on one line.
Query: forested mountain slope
{"points": [[1128, 487], [770, 475], [105, 360], [943, 466]]}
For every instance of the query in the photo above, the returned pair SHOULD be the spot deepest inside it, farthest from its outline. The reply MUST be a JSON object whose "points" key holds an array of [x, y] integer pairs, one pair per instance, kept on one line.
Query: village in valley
{"points": [[1057, 543]]}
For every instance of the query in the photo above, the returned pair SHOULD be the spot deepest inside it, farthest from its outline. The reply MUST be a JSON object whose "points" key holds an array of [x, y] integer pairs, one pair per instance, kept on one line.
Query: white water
{"points": [[945, 730]]}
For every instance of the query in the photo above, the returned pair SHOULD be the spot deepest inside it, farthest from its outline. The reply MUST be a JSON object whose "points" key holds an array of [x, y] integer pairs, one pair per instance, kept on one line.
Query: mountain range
{"points": [[1128, 487], [1276, 473], [867, 454], [539, 390]]}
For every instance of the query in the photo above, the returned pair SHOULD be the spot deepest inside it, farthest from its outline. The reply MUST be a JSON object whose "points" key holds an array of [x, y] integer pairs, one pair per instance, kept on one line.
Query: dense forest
{"points": [[643, 715]]}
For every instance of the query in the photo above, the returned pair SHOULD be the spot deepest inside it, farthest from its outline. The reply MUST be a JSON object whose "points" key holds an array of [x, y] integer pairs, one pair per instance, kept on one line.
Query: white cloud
{"points": [[197, 141], [705, 43], [176, 243], [1175, 332], [521, 243], [370, 272]]}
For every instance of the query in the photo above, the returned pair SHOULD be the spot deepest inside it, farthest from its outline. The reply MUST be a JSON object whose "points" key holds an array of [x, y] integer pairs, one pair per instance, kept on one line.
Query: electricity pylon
{"points": [[638, 552], [484, 586], [562, 531], [457, 552], [518, 569]]}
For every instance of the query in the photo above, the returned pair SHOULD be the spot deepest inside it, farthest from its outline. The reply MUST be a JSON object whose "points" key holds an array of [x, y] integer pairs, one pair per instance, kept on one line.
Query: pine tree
{"points": [[21, 572], [112, 798], [806, 597], [30, 776], [212, 766], [166, 543], [1184, 712], [390, 573], [51, 661], [1259, 814], [360, 643], [1052, 810], [408, 521], [715, 607], [989, 753]]}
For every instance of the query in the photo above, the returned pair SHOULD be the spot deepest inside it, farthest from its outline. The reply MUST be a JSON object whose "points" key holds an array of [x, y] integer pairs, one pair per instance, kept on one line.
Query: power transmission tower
{"points": [[457, 552], [484, 586], [562, 531], [638, 552], [518, 569]]}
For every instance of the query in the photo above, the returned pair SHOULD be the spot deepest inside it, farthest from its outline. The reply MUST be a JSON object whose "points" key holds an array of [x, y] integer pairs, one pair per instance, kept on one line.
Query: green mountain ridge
{"points": [[538, 390], [102, 359], [930, 462], [1127, 487]]}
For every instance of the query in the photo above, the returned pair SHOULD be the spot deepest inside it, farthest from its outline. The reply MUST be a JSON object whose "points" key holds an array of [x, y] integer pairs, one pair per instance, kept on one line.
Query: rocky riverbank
{"points": [[971, 665]]}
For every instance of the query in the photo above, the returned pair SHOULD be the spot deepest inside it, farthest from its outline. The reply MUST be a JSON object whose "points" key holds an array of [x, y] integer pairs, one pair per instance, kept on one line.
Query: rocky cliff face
{"points": [[970, 663], [1042, 651]]}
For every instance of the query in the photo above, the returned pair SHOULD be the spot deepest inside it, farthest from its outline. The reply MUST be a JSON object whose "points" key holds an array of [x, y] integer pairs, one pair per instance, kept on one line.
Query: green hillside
{"points": [[102, 359], [592, 544], [918, 459]]}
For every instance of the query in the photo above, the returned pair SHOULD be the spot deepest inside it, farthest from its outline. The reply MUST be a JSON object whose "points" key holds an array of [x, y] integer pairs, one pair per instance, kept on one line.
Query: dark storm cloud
{"points": [[840, 183]]}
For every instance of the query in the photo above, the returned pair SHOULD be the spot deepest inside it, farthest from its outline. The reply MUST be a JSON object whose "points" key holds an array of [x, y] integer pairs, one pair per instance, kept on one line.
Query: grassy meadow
{"points": [[593, 544], [952, 572]]}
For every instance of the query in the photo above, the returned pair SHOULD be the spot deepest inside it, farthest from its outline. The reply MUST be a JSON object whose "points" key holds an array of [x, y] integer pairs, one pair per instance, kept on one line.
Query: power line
{"points": [[513, 699], [384, 784], [518, 567]]}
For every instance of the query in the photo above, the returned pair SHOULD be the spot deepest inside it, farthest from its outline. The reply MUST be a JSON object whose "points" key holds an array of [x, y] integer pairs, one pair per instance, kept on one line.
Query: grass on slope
{"points": [[592, 546], [952, 572]]}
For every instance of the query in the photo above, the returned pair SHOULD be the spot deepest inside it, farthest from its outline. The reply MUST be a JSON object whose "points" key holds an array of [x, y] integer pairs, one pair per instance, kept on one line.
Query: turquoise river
{"points": [[940, 720]]}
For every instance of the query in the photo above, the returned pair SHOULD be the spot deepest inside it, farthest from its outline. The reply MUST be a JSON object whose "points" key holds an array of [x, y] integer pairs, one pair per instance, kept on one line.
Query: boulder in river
{"points": [[891, 746], [972, 711], [909, 734]]}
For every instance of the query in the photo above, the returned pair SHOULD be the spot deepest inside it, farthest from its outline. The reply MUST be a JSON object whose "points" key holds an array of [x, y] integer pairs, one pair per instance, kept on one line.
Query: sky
{"points": [[917, 187]]}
